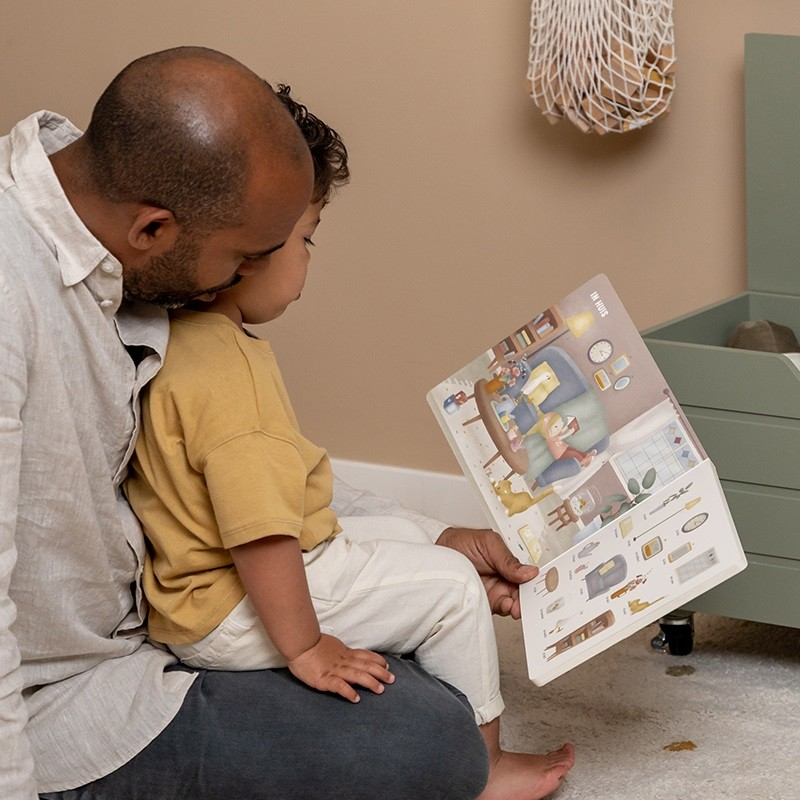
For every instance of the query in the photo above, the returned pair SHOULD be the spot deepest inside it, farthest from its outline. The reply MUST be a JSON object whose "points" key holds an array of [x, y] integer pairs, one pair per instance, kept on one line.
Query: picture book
{"points": [[586, 464]]}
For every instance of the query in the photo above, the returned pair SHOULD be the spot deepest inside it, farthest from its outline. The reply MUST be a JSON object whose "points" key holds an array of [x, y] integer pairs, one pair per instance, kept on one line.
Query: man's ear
{"points": [[153, 229]]}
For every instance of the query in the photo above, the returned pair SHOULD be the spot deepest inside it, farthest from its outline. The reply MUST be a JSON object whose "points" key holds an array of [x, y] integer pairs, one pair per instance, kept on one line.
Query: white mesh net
{"points": [[605, 65]]}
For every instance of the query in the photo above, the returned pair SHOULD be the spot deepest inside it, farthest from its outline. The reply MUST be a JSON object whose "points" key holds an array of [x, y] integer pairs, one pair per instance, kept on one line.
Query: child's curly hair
{"points": [[327, 148]]}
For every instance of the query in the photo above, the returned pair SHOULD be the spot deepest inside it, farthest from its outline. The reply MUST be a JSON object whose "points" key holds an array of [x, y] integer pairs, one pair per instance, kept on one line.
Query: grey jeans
{"points": [[263, 735]]}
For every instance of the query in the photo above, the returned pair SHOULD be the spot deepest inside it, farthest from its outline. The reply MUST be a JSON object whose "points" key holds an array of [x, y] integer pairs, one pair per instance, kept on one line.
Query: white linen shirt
{"points": [[81, 690], [72, 641]]}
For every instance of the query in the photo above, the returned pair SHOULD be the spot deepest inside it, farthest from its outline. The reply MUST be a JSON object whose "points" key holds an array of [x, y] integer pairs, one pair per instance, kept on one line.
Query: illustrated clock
{"points": [[695, 522], [600, 351]]}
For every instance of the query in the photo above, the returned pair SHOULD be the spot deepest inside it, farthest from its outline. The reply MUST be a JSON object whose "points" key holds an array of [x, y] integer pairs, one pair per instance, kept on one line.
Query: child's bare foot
{"points": [[520, 776]]}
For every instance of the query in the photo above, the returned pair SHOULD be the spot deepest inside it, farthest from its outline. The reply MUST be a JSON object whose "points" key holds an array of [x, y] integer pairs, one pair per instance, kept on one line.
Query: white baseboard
{"points": [[445, 497]]}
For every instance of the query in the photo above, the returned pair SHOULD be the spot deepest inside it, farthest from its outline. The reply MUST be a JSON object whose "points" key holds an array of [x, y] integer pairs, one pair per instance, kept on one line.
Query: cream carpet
{"points": [[730, 711]]}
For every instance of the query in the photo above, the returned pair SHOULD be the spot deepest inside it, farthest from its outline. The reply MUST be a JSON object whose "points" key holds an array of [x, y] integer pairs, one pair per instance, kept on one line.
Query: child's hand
{"points": [[331, 666]]}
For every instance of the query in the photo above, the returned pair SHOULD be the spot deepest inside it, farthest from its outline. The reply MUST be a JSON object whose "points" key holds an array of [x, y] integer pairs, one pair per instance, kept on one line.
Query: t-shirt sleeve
{"points": [[256, 483]]}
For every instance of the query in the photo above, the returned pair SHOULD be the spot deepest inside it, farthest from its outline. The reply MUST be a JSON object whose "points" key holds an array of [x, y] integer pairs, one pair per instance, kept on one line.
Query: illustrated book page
{"points": [[571, 438]]}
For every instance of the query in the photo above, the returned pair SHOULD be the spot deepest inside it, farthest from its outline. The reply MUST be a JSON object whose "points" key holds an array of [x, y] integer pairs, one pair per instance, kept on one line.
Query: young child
{"points": [[554, 432], [248, 567]]}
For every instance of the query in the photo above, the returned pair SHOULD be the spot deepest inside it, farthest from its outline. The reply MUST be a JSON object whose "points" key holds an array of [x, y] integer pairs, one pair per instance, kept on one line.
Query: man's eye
{"points": [[256, 259], [307, 240]]}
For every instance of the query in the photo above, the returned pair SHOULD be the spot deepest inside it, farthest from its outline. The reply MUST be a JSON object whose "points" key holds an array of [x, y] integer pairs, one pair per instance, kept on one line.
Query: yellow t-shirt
{"points": [[219, 462]]}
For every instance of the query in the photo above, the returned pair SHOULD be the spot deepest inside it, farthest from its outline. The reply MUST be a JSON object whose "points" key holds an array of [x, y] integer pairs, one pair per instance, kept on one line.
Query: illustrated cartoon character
{"points": [[636, 605], [554, 430], [516, 502]]}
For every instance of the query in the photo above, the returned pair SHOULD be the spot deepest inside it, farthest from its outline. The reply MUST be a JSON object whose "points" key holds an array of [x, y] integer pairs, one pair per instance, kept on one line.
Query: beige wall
{"points": [[467, 211]]}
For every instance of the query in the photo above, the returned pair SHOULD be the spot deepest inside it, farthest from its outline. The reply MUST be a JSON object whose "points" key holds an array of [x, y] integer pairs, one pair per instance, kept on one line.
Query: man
{"points": [[189, 175]]}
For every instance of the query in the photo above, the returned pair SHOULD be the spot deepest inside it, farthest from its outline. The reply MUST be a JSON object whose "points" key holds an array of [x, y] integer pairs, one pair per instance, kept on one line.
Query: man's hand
{"points": [[500, 571], [331, 666]]}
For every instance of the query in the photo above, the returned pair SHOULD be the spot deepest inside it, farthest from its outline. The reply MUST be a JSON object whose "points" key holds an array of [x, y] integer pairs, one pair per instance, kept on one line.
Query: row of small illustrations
{"points": [[611, 91]]}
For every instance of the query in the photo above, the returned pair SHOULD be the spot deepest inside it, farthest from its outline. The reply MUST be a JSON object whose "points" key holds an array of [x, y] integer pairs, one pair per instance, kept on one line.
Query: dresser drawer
{"points": [[766, 591], [767, 518], [750, 448]]}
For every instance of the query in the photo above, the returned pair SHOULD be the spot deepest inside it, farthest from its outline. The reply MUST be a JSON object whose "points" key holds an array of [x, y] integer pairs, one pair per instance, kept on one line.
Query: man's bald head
{"points": [[181, 129]]}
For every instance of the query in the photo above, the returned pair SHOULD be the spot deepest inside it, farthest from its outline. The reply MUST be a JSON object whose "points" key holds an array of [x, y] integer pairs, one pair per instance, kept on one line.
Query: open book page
{"points": [[656, 557], [574, 442], [565, 423]]}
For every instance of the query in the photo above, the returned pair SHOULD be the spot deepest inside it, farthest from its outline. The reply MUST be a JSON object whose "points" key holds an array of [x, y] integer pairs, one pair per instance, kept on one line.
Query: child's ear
{"points": [[153, 229]]}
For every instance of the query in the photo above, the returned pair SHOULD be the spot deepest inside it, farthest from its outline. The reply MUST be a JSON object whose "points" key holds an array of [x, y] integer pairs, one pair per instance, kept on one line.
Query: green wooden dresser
{"points": [[745, 405]]}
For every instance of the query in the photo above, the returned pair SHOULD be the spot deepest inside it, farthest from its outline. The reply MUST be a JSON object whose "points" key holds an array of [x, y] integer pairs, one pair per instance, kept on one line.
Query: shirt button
{"points": [[107, 267], [106, 303]]}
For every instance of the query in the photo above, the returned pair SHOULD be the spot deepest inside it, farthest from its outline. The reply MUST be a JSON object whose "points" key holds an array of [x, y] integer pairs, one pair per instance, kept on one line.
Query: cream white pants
{"points": [[381, 585]]}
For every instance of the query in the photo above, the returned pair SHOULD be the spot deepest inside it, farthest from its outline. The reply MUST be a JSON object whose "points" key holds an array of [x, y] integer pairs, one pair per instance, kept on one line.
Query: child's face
{"points": [[266, 293], [555, 426]]}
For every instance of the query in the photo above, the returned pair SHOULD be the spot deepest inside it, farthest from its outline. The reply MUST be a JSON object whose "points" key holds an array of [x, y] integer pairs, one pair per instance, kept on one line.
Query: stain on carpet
{"points": [[677, 746], [680, 670]]}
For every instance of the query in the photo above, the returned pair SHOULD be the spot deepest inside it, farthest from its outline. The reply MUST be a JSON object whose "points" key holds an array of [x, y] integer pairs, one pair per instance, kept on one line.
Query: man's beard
{"points": [[170, 280]]}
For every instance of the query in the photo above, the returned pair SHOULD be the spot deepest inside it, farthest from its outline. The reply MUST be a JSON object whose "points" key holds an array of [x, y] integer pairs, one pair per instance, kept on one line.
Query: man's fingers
{"points": [[505, 605], [503, 597], [506, 563], [514, 570]]}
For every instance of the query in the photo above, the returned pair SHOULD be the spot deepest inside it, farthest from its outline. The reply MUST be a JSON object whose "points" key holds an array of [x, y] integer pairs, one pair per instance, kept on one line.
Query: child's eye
{"points": [[307, 240]]}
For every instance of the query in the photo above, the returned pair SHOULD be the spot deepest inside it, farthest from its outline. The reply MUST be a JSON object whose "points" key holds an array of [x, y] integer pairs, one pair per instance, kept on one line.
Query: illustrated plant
{"points": [[625, 502]]}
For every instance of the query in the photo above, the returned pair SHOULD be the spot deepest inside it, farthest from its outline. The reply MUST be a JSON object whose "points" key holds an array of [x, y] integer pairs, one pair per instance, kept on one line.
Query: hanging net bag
{"points": [[605, 65]]}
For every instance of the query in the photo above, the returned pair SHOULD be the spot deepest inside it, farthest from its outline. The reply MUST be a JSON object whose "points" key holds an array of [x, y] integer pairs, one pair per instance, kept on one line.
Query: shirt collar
{"points": [[142, 324], [49, 211]]}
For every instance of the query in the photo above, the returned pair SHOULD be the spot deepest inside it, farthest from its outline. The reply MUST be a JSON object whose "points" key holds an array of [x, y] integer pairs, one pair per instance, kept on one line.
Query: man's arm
{"points": [[16, 762]]}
